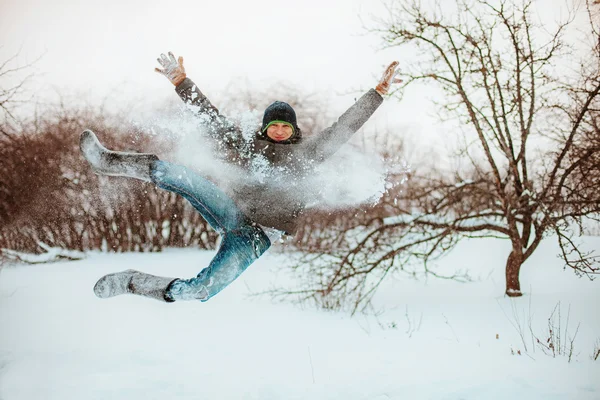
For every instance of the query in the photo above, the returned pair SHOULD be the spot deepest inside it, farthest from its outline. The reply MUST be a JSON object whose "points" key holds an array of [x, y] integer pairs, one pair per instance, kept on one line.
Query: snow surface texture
{"points": [[434, 340]]}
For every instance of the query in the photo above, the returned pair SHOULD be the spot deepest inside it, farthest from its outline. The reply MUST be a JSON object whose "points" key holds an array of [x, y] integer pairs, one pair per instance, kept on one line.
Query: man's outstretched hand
{"points": [[172, 69], [388, 79]]}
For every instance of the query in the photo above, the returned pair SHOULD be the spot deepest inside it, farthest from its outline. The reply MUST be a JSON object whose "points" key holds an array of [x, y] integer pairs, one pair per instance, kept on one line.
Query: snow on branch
{"points": [[52, 254]]}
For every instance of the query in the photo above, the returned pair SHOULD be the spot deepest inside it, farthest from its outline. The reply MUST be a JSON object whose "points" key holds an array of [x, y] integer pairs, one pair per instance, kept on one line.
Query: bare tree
{"points": [[14, 78], [502, 76], [526, 113]]}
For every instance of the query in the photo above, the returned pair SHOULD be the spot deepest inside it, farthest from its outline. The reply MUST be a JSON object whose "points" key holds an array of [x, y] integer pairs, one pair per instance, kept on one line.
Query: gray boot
{"points": [[115, 163], [134, 282]]}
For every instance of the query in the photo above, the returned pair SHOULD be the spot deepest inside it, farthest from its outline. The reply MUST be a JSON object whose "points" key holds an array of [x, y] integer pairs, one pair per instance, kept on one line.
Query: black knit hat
{"points": [[281, 111]]}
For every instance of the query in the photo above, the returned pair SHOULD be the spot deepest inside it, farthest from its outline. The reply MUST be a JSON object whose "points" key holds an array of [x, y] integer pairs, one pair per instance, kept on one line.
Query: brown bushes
{"points": [[49, 194]]}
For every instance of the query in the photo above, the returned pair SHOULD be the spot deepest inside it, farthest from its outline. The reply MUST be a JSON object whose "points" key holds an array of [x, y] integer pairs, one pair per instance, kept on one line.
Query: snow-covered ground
{"points": [[433, 340]]}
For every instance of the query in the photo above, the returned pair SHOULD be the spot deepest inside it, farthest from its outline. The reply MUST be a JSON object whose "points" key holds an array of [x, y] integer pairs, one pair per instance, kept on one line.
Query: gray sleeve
{"points": [[217, 125], [323, 145]]}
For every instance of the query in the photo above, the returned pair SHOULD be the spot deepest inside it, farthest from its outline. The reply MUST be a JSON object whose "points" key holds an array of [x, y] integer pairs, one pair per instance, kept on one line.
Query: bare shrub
{"points": [[49, 195], [334, 269], [557, 340]]}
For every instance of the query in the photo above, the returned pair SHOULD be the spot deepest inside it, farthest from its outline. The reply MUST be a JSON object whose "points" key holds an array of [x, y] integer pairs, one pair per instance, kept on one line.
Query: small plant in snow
{"points": [[413, 325], [557, 342]]}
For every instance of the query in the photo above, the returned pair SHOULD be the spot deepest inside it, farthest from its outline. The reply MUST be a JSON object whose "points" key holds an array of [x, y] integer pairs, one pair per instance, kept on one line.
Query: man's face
{"points": [[279, 131]]}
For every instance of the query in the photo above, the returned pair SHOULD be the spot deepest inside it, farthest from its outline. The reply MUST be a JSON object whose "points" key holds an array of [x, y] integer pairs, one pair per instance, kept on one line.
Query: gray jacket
{"points": [[278, 196]]}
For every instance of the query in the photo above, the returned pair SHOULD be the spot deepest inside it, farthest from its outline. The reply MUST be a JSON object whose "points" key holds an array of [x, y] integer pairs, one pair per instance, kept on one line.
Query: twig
{"points": [[452, 329], [311, 365]]}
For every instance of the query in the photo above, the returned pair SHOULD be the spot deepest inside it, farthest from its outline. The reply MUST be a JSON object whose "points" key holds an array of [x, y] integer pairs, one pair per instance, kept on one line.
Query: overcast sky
{"points": [[314, 44], [109, 48]]}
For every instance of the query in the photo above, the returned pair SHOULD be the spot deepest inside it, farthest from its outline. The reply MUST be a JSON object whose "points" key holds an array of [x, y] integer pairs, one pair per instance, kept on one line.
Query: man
{"points": [[248, 210]]}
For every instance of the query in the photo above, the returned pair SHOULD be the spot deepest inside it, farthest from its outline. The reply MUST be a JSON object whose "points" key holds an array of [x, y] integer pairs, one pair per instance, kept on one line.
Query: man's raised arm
{"points": [[218, 125], [323, 145]]}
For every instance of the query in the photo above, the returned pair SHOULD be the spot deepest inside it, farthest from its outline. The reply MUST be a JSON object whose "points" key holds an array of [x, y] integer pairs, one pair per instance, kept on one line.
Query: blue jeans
{"points": [[242, 242]]}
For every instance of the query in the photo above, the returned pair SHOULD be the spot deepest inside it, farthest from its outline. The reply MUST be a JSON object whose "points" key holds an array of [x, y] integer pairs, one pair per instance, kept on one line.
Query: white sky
{"points": [[313, 44], [94, 47], [109, 48]]}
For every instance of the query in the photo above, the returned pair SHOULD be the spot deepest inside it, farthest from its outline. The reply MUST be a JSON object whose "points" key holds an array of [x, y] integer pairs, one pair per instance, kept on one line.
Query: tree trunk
{"points": [[513, 267]]}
